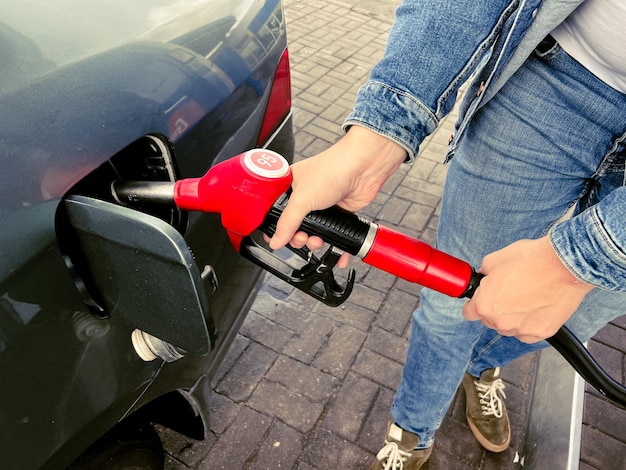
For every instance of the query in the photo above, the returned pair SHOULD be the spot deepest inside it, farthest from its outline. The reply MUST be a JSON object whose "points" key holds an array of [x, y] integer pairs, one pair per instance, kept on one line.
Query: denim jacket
{"points": [[434, 47]]}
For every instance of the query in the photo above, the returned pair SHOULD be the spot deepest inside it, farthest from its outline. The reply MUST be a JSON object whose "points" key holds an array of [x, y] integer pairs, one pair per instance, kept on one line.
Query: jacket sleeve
{"points": [[433, 47], [593, 244]]}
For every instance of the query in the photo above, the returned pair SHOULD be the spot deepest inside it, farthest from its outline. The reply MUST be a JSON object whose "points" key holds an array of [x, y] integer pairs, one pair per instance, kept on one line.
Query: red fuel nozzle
{"points": [[241, 189]]}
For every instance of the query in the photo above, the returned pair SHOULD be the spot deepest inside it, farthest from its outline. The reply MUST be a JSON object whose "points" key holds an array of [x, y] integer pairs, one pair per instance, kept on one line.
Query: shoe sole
{"points": [[482, 440]]}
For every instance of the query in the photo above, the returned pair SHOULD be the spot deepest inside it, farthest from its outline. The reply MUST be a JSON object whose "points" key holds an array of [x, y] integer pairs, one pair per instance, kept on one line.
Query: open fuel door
{"points": [[138, 267]]}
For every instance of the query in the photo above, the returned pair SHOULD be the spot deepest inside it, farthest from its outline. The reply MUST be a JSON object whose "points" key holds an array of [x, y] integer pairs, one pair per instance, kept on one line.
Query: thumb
{"points": [[469, 311]]}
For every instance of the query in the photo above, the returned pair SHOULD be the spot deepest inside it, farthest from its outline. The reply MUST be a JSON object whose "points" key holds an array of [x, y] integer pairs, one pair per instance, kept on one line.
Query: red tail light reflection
{"points": [[279, 103]]}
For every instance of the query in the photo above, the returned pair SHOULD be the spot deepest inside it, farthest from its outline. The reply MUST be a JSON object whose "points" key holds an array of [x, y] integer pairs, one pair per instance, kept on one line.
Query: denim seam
{"points": [[474, 359], [572, 268], [441, 412], [422, 115], [476, 101], [414, 99], [609, 242], [611, 161], [484, 46]]}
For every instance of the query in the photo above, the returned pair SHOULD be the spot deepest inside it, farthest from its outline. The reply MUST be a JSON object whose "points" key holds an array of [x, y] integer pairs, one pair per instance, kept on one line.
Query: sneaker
{"points": [[485, 410], [399, 452]]}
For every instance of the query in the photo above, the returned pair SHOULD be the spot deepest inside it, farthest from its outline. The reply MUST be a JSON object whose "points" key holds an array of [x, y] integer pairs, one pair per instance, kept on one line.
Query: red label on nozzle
{"points": [[265, 163]]}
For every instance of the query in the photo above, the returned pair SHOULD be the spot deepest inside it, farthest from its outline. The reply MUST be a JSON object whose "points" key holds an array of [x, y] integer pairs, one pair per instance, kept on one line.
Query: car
{"points": [[114, 317]]}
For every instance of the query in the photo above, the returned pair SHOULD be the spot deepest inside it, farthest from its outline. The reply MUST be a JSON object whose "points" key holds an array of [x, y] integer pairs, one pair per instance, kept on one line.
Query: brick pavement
{"points": [[306, 386]]}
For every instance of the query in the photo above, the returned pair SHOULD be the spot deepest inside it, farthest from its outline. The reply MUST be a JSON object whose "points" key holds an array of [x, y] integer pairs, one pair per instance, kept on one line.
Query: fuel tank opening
{"points": [[149, 348]]}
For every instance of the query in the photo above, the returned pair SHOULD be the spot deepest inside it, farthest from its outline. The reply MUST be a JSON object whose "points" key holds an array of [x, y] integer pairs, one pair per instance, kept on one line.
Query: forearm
{"points": [[593, 244]]}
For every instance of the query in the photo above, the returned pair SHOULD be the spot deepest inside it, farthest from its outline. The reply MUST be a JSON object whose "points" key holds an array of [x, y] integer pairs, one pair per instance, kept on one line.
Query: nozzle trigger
{"points": [[315, 277]]}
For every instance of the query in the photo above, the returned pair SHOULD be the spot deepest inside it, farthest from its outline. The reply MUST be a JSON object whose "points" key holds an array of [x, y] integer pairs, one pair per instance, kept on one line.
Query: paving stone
{"points": [[409, 287], [387, 344], [241, 380], [302, 144], [316, 146], [327, 136], [223, 412], [601, 451], [239, 442], [442, 460], [367, 297], [464, 446], [609, 359], [373, 433], [292, 315], [351, 406], [337, 355], [420, 172], [394, 213], [613, 336], [584, 466], [417, 216], [395, 314], [315, 106], [264, 331], [422, 186], [326, 125], [237, 348], [414, 194], [182, 451], [335, 113], [438, 175], [304, 346], [304, 466], [378, 368], [293, 409], [302, 378], [280, 449], [620, 321], [301, 118], [349, 314], [602, 414], [328, 451], [378, 279]]}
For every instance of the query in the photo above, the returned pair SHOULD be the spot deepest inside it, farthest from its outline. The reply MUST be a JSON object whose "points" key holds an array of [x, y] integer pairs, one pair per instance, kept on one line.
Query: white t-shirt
{"points": [[595, 35]]}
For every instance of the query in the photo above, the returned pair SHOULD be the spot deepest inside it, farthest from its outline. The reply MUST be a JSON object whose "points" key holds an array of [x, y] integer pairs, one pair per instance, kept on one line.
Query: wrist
{"points": [[374, 156]]}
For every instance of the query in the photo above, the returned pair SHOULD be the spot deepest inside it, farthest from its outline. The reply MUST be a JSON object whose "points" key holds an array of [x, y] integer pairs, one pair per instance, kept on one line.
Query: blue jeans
{"points": [[533, 152]]}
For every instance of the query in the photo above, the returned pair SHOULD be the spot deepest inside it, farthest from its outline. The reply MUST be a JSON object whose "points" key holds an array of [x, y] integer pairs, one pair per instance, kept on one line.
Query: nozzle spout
{"points": [[133, 192]]}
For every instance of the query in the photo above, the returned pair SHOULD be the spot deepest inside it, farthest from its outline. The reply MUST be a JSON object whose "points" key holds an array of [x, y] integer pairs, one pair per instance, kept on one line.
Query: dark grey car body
{"points": [[81, 85]]}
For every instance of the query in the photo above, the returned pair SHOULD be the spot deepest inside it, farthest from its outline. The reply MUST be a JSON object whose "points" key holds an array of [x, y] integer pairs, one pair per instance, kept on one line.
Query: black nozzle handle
{"points": [[338, 227]]}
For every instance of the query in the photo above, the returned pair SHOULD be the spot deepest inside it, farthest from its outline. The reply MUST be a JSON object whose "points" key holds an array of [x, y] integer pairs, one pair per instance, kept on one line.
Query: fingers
{"points": [[516, 325], [301, 239], [288, 225]]}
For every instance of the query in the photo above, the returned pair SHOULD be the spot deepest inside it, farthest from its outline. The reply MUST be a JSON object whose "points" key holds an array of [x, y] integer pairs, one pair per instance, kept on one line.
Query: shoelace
{"points": [[395, 457], [489, 395]]}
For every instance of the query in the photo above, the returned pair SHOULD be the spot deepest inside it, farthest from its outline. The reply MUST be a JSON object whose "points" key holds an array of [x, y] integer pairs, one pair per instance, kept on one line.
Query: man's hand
{"points": [[527, 291], [348, 174]]}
